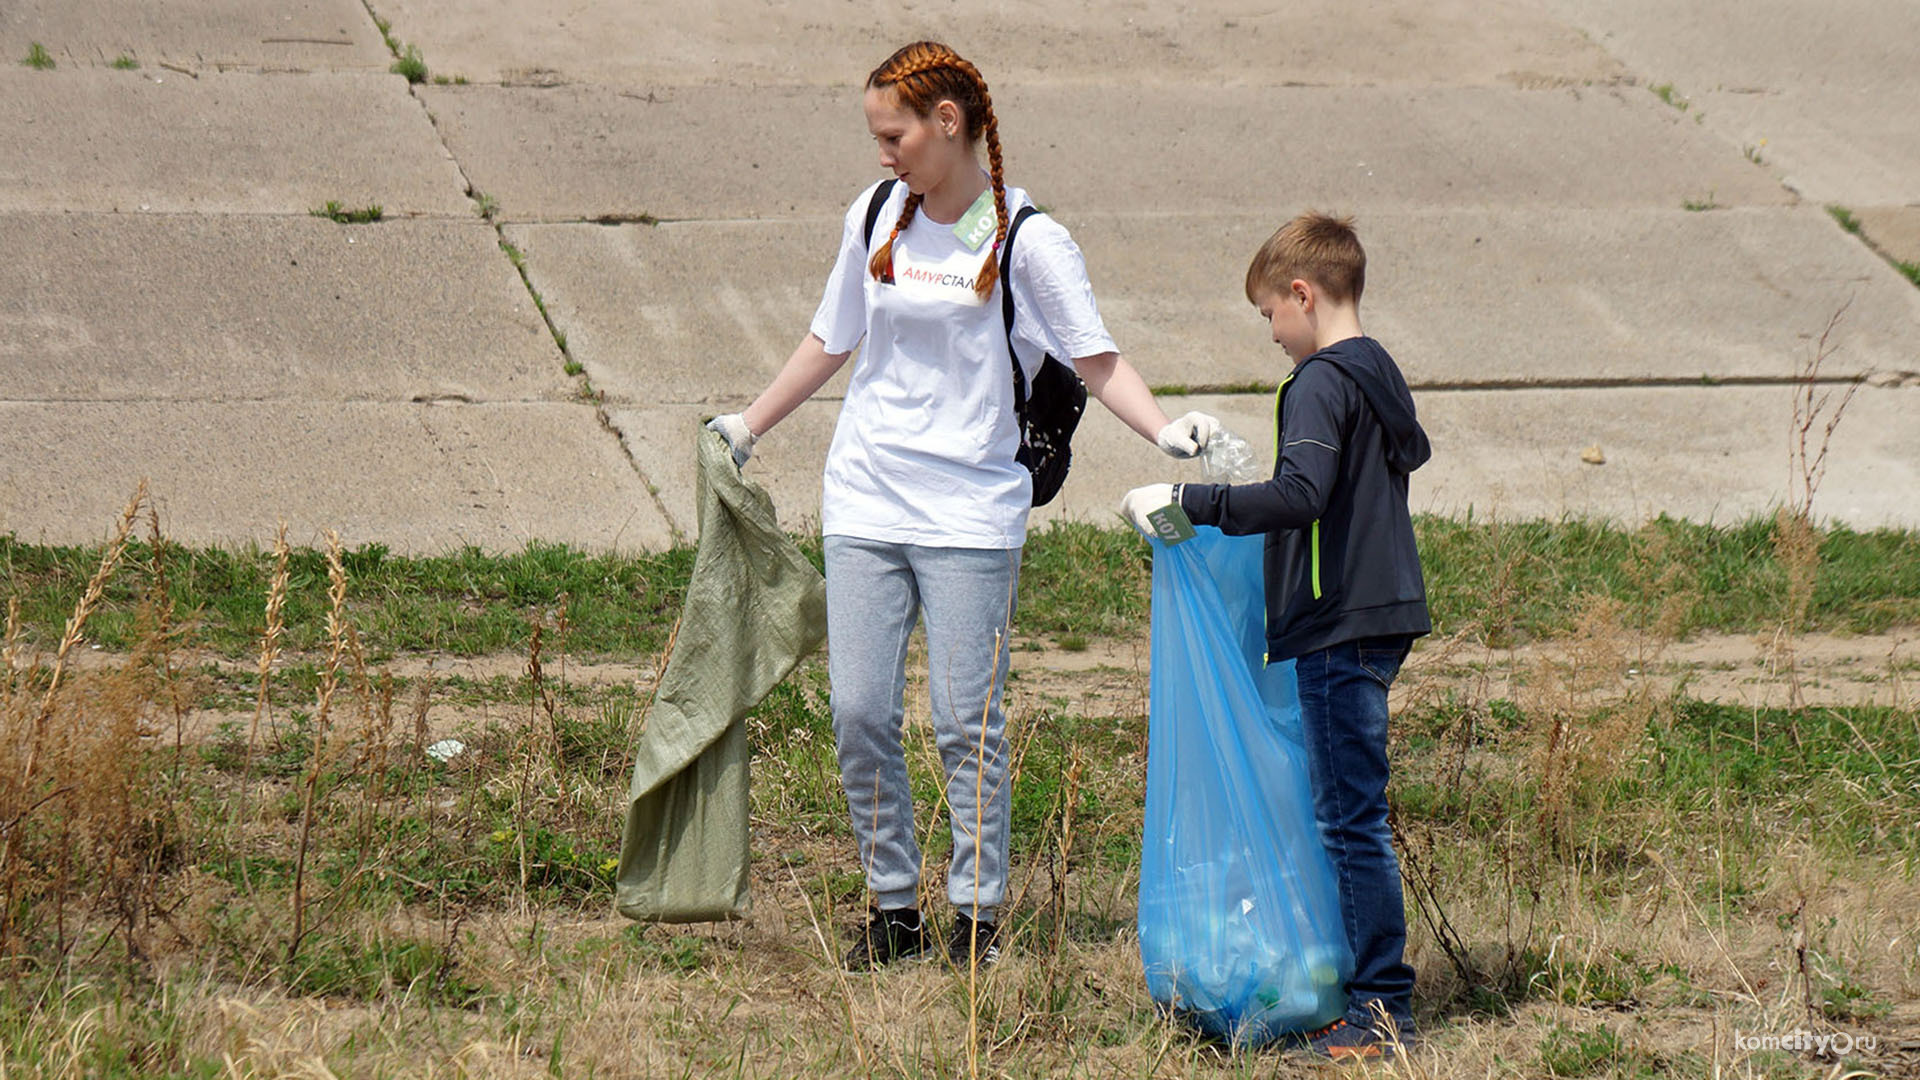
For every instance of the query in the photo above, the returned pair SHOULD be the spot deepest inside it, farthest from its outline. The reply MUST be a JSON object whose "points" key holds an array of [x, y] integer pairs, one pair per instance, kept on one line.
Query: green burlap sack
{"points": [[754, 608]]}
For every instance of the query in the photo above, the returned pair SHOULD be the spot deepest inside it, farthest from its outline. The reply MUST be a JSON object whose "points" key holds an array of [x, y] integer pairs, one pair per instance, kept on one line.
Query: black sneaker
{"points": [[972, 939], [890, 935]]}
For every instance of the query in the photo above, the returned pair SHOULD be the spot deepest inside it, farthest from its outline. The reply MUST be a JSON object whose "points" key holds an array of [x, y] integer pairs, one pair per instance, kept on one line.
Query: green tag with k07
{"points": [[1171, 524], [979, 223]]}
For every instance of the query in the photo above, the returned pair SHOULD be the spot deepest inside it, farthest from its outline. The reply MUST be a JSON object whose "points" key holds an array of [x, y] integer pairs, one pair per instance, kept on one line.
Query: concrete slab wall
{"points": [[232, 143], [744, 42], [1555, 249], [191, 307], [420, 478], [1822, 93], [1708, 454], [581, 153], [698, 312], [298, 35]]}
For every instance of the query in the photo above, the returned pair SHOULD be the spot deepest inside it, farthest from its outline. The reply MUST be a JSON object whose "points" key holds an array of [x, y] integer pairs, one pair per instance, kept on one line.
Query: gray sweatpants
{"points": [[875, 592]]}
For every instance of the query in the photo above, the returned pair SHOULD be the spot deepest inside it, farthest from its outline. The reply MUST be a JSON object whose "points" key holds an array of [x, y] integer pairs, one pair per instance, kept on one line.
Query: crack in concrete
{"points": [[572, 367]]}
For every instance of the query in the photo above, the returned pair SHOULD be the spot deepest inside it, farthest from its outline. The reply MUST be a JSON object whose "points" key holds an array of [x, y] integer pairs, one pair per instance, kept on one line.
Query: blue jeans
{"points": [[1343, 716]]}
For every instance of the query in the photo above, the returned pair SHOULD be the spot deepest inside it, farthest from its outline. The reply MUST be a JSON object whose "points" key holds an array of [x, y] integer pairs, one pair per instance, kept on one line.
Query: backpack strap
{"points": [[1006, 311], [876, 204]]}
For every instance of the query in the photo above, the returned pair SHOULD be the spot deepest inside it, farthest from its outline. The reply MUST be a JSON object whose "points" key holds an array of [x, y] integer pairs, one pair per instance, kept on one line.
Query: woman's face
{"points": [[917, 148]]}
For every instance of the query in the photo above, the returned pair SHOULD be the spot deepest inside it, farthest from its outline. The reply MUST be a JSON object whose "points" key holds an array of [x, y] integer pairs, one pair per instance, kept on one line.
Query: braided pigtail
{"points": [[880, 263], [990, 271]]}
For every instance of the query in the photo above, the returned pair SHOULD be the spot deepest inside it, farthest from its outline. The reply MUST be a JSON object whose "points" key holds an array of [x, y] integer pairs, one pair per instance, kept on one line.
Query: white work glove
{"points": [[740, 438], [1187, 436], [1135, 505]]}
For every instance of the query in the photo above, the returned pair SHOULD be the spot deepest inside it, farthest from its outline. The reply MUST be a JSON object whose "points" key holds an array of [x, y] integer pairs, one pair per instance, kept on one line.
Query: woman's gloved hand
{"points": [[1187, 436], [740, 438]]}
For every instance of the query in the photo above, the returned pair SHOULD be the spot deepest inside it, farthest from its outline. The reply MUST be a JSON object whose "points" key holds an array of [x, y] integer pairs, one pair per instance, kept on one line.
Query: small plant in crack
{"points": [[411, 64], [38, 58], [334, 211], [1665, 92]]}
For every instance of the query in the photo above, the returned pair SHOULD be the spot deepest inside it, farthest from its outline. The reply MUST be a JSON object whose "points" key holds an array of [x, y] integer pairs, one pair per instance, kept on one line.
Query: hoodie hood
{"points": [[1378, 377]]}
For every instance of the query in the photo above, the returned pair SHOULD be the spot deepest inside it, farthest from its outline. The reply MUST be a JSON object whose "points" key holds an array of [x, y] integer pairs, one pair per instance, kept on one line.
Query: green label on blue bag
{"points": [[1171, 524], [979, 223]]}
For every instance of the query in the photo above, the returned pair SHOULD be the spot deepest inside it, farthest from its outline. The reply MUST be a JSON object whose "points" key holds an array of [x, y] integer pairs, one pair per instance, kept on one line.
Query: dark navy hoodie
{"points": [[1340, 559]]}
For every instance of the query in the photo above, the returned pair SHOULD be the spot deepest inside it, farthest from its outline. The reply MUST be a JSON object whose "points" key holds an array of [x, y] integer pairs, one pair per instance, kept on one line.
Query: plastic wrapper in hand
{"points": [[1229, 459], [1240, 928]]}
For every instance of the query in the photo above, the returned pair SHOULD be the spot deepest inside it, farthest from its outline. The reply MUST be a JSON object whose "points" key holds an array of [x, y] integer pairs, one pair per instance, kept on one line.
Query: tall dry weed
{"points": [[89, 815], [1796, 538], [311, 793]]}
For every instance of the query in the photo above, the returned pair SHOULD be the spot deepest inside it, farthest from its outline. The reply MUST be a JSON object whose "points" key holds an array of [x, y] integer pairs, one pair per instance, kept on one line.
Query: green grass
{"points": [[1522, 579], [1842, 778], [37, 58], [1845, 217], [411, 64], [1084, 579], [1910, 271], [334, 211], [123, 62], [376, 969], [1665, 92], [1505, 582], [1250, 386], [464, 602], [1565, 1051], [107, 1030], [1707, 203]]}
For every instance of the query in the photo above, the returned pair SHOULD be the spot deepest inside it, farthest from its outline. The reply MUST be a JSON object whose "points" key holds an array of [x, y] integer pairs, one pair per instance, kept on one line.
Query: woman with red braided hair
{"points": [[924, 506]]}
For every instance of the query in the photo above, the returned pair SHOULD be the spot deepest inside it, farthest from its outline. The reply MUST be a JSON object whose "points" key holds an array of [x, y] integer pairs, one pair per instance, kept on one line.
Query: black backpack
{"points": [[1048, 415]]}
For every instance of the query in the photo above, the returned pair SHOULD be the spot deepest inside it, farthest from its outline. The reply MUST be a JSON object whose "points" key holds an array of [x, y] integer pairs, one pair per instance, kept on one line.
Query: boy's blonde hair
{"points": [[1315, 247]]}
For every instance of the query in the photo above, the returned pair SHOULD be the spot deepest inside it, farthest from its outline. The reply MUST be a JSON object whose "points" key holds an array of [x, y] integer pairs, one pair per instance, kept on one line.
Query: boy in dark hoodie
{"points": [[1345, 597]]}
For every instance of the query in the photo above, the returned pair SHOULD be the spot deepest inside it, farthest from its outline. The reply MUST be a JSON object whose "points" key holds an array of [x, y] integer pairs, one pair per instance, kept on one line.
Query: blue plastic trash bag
{"points": [[1240, 928]]}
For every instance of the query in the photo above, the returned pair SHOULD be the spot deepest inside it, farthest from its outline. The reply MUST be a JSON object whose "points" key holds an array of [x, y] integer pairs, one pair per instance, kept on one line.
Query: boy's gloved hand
{"points": [[1135, 505], [740, 438], [1187, 436]]}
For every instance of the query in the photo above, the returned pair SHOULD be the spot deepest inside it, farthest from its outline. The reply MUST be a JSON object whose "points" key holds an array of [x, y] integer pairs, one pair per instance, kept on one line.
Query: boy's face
{"points": [[1286, 313]]}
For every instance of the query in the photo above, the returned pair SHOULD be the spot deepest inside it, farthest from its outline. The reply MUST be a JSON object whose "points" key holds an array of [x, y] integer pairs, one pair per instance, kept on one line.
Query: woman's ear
{"points": [[951, 120]]}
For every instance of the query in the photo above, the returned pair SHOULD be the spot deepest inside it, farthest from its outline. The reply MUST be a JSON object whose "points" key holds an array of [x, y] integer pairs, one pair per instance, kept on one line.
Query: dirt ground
{"points": [[1109, 677]]}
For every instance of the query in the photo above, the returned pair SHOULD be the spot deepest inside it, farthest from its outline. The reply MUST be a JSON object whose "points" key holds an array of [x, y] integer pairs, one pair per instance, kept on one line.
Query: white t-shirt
{"points": [[924, 449]]}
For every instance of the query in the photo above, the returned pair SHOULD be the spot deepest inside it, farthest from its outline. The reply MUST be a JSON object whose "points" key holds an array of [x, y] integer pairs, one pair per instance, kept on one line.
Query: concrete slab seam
{"points": [[1844, 218], [570, 365], [653, 490]]}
